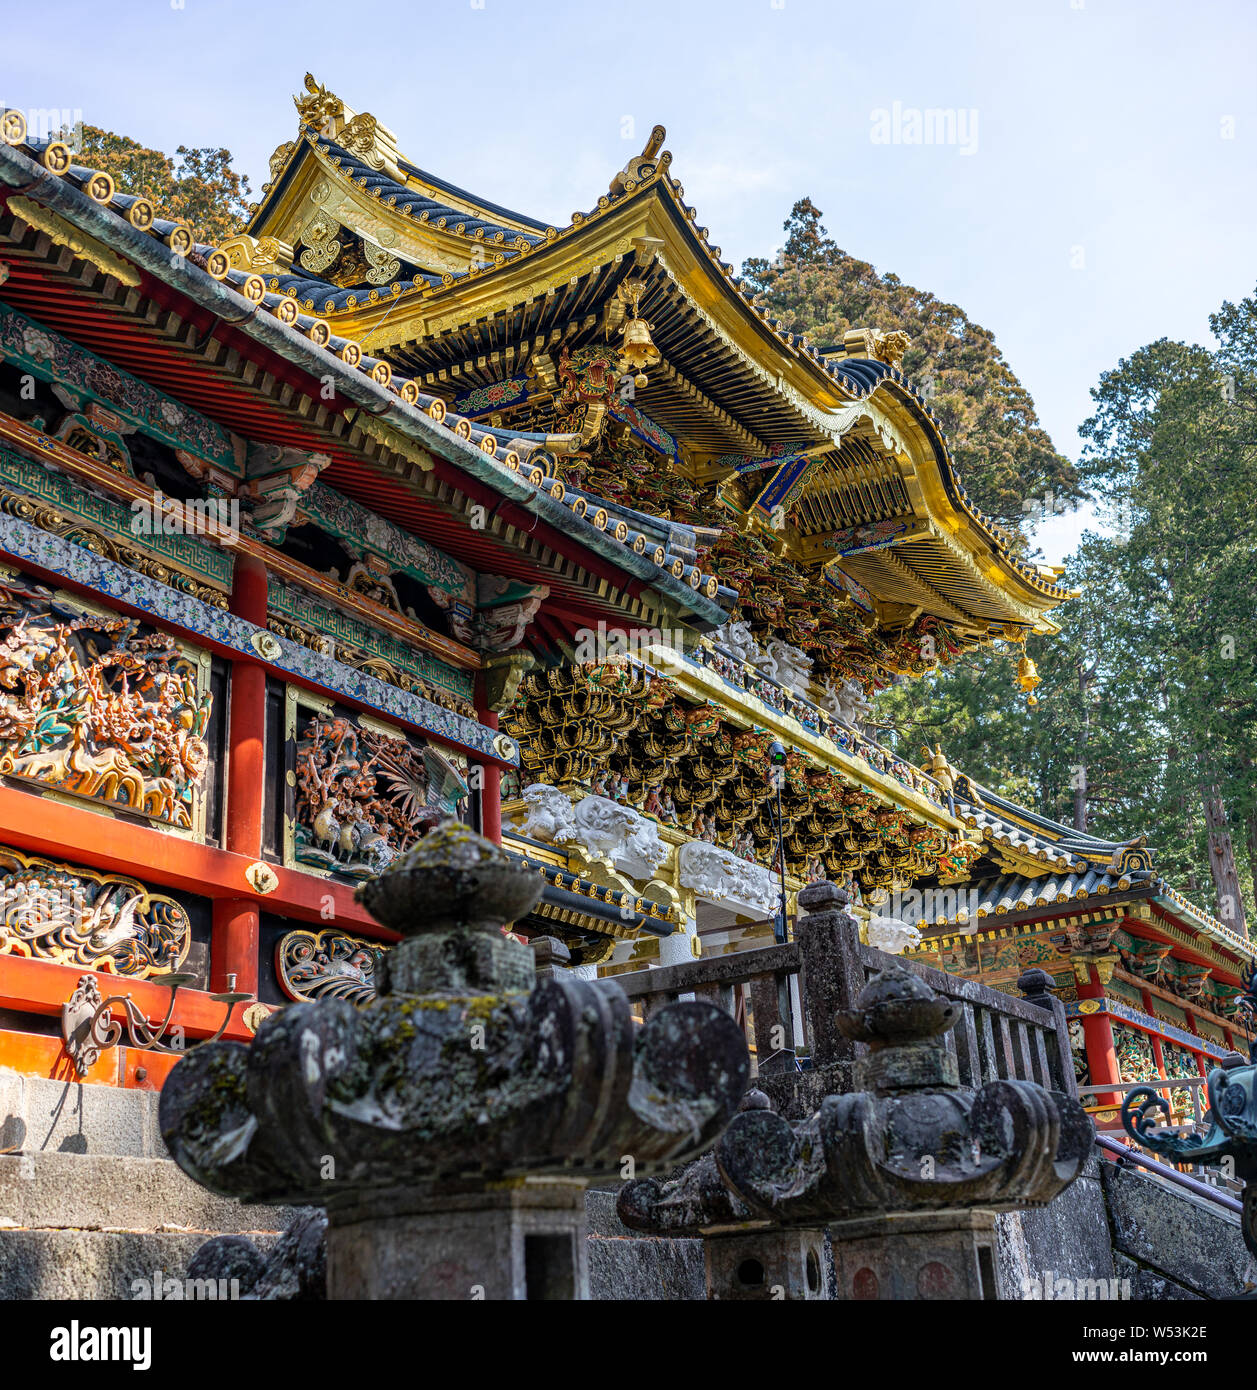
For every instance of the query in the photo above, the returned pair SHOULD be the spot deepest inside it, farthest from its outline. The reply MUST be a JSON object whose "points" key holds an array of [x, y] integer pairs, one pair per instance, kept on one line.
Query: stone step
{"points": [[98, 1264], [38, 1114], [118, 1192]]}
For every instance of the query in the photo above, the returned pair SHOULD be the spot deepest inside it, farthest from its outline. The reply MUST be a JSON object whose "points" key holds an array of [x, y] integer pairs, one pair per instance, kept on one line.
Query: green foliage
{"points": [[1149, 693], [1000, 450], [201, 188]]}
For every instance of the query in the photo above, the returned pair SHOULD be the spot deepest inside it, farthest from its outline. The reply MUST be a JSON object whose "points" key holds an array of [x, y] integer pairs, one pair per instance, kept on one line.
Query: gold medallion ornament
{"points": [[262, 878]]}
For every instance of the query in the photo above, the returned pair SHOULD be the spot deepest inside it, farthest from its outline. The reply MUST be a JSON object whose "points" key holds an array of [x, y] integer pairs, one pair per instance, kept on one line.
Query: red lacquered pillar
{"points": [[1098, 1035], [491, 786], [234, 945]]}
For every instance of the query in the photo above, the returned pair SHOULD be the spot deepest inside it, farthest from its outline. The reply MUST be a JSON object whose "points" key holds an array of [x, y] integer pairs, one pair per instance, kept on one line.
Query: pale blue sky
{"points": [[1105, 196]]}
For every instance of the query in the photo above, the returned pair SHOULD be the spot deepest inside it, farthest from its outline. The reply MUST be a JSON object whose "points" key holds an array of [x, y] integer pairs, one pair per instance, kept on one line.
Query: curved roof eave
{"points": [[64, 195]]}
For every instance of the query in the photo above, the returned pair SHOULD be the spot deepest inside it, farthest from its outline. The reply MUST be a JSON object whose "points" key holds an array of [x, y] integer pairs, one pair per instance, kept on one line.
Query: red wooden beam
{"points": [[40, 825]]}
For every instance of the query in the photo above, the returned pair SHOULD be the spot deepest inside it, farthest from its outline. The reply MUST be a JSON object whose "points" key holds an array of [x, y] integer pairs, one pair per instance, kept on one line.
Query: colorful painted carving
{"points": [[364, 796], [318, 964], [51, 911], [82, 566], [1135, 1061], [100, 706], [88, 378]]}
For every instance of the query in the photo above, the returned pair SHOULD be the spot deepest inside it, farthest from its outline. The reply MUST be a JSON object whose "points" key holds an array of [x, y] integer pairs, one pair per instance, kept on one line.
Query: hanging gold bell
{"points": [[1028, 677], [639, 351]]}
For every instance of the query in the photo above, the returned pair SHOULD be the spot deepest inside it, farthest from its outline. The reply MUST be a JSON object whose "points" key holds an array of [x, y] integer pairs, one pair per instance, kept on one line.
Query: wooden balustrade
{"points": [[996, 1037]]}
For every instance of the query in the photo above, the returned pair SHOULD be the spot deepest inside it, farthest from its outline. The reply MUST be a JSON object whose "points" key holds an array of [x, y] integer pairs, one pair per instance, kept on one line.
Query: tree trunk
{"points": [[1079, 779], [1226, 880], [1252, 848]]}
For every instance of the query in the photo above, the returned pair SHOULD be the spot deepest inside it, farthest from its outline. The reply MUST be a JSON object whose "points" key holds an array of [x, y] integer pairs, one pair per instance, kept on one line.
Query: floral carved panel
{"points": [[101, 706], [73, 916], [315, 964]]}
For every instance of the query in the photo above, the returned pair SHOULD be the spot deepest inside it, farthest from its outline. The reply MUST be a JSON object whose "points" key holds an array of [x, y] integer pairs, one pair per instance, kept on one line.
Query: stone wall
{"points": [[625, 1264], [1068, 1238], [1172, 1244]]}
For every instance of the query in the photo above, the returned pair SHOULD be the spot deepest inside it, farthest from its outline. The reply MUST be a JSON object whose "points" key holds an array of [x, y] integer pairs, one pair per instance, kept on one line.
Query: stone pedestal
{"points": [[526, 1242], [916, 1255], [767, 1266], [907, 1170]]}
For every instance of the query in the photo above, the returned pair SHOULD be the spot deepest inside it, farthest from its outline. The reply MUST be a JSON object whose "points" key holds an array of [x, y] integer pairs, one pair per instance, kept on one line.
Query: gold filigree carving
{"points": [[53, 911], [319, 235]]}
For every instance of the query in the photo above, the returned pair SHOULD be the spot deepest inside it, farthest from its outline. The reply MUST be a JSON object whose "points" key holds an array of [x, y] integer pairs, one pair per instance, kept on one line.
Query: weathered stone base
{"points": [[932, 1256], [1067, 1239], [99, 1264], [91, 1204], [526, 1242], [626, 1265], [1176, 1241], [768, 1266]]}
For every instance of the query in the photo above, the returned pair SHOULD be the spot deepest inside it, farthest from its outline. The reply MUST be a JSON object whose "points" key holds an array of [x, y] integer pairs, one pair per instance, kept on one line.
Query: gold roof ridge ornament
{"points": [[874, 344], [365, 137], [938, 767], [642, 166]]}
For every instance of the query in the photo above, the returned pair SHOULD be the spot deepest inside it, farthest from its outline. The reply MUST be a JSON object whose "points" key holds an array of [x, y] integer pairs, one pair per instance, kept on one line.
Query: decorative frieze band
{"points": [[46, 354], [106, 577]]}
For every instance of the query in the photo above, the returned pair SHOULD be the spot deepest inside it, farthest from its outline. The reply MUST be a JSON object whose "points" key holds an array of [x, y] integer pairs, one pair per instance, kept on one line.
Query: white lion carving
{"points": [[549, 814], [785, 664], [601, 828], [736, 638], [606, 829], [715, 874], [847, 702], [892, 935]]}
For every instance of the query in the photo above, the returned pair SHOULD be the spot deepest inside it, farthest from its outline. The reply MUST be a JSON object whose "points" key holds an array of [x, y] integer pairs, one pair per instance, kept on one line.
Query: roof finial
{"points": [[321, 108], [641, 166]]}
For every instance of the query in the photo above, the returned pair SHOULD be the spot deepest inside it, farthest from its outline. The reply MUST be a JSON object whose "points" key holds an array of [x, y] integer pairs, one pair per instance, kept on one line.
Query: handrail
{"points": [[1131, 1155], [996, 1036], [1156, 1083]]}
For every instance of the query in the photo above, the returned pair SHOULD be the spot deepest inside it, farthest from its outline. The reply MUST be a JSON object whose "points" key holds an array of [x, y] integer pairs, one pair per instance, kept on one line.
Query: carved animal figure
{"points": [[892, 934], [736, 638], [785, 664], [846, 702], [549, 814]]}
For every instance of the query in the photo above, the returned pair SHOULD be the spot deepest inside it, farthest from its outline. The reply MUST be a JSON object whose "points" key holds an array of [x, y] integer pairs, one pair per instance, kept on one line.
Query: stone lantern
{"points": [[450, 1126], [906, 1174]]}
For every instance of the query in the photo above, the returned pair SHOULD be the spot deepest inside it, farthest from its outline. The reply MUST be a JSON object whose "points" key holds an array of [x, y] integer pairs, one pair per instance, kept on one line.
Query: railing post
{"points": [[774, 1043], [831, 979], [551, 955], [1035, 988]]}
